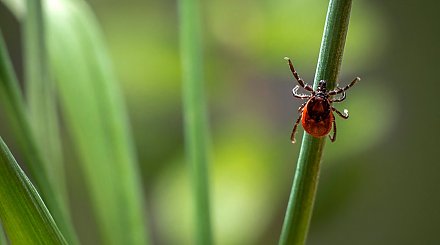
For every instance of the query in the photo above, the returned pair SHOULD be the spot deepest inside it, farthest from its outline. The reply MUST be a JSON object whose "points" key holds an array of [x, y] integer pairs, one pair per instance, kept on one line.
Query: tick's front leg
{"points": [[292, 136]]}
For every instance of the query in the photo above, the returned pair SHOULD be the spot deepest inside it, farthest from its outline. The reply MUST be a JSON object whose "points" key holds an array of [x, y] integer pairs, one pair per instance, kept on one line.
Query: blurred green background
{"points": [[380, 180]]}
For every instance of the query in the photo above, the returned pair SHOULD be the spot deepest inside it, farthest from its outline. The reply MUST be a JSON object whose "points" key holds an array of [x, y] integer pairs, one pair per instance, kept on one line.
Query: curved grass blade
{"points": [[42, 105], [41, 95], [24, 216], [16, 114], [96, 120]]}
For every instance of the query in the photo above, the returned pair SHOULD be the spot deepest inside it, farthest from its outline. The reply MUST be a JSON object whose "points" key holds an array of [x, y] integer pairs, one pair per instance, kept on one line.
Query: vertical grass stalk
{"points": [[305, 183], [195, 123]]}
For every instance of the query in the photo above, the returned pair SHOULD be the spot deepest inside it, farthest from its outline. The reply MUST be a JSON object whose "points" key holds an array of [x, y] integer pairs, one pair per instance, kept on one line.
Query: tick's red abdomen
{"points": [[316, 127]]}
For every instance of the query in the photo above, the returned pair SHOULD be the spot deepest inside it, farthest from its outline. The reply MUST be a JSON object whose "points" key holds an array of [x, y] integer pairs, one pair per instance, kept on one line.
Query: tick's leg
{"points": [[343, 115], [340, 90], [301, 96], [292, 136], [295, 74], [340, 99], [333, 138], [300, 109]]}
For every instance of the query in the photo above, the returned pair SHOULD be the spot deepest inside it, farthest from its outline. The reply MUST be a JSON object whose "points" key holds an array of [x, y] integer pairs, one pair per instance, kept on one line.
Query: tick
{"points": [[316, 114]]}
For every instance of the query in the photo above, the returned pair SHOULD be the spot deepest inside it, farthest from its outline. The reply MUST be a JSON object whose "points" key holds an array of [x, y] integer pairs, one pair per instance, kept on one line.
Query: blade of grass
{"points": [[305, 183], [23, 214], [42, 105], [41, 95], [12, 100], [195, 123], [96, 119]]}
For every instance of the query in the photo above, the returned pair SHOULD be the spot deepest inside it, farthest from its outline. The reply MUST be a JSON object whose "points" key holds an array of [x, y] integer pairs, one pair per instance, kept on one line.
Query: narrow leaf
{"points": [[41, 95], [22, 212], [42, 106], [16, 114], [96, 120]]}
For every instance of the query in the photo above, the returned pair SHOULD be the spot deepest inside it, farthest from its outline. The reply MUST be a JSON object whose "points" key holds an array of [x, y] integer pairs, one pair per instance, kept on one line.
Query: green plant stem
{"points": [[195, 123], [305, 183]]}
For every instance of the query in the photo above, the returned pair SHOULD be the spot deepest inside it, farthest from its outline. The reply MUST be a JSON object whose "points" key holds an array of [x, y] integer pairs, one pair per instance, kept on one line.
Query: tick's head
{"points": [[322, 85]]}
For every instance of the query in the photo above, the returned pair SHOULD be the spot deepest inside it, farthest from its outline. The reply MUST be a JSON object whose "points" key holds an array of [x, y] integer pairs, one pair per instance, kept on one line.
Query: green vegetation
{"points": [[65, 119], [195, 122], [24, 216], [43, 118], [94, 116], [96, 119], [302, 197], [15, 109]]}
